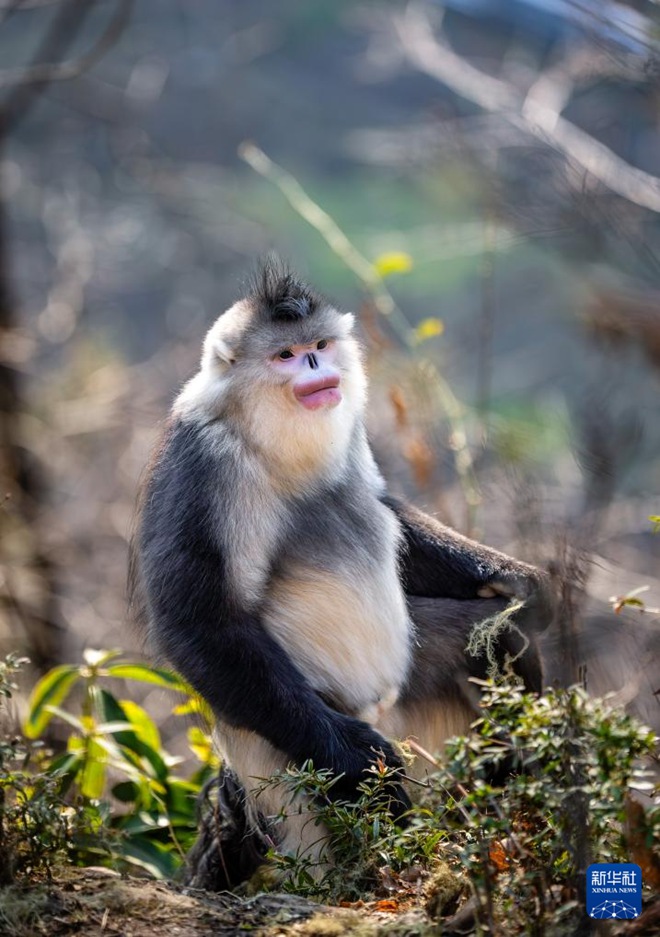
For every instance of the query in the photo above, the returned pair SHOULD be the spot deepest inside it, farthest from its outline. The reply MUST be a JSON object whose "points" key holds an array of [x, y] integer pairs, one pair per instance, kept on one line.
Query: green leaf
{"points": [[69, 718], [156, 675], [149, 855], [113, 711], [201, 746], [196, 705], [142, 723], [146, 821], [126, 791], [92, 779], [182, 800], [66, 769], [112, 728], [632, 600], [51, 690]]}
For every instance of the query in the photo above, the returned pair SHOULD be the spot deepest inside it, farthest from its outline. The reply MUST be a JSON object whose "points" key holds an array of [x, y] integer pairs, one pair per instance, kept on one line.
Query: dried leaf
{"points": [[387, 904], [400, 406], [422, 460], [499, 856]]}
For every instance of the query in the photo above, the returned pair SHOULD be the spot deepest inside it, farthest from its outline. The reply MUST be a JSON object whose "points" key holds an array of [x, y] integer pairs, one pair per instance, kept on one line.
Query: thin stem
{"points": [[334, 237]]}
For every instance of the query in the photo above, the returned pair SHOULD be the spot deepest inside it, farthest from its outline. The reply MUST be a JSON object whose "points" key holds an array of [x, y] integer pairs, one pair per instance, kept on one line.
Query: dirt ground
{"points": [[97, 902], [93, 902]]}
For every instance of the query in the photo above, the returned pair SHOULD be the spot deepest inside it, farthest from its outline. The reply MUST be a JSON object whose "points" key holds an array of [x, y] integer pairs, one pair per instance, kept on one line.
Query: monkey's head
{"points": [[280, 361]]}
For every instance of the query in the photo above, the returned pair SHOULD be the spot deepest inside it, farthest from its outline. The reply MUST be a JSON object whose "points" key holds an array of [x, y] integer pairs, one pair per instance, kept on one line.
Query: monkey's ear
{"points": [[218, 354], [222, 339], [346, 323], [218, 351]]}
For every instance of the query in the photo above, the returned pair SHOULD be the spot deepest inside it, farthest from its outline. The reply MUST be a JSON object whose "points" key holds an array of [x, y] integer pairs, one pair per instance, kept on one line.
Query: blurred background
{"points": [[478, 181]]}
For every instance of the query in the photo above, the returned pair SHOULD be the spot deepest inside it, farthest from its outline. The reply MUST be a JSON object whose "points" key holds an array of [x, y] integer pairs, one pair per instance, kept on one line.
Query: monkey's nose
{"points": [[312, 361]]}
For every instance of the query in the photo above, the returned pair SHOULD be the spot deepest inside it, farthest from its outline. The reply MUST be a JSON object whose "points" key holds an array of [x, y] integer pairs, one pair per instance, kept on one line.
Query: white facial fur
{"points": [[244, 382]]}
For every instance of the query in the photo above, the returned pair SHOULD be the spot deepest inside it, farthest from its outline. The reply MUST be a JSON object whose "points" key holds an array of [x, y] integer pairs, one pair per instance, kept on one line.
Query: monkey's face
{"points": [[262, 372], [293, 386], [311, 371]]}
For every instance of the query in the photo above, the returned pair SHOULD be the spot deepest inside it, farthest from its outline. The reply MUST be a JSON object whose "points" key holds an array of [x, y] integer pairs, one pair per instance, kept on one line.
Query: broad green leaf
{"points": [[66, 769], [126, 791], [63, 764], [51, 690], [113, 711], [157, 675], [202, 747], [196, 705], [143, 724], [181, 801], [393, 262], [92, 777], [149, 855], [117, 756], [112, 728], [143, 822]]}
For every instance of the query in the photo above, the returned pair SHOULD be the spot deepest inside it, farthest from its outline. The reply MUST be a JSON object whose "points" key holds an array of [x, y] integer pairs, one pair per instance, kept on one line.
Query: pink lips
{"points": [[323, 392]]}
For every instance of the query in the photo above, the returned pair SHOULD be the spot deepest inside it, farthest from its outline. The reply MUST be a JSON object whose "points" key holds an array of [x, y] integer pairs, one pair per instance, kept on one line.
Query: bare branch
{"points": [[330, 231], [384, 303], [48, 67], [537, 115]]}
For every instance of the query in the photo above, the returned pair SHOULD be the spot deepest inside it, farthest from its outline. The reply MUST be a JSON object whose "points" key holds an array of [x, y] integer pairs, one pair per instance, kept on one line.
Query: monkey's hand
{"points": [[437, 562], [359, 752], [528, 584]]}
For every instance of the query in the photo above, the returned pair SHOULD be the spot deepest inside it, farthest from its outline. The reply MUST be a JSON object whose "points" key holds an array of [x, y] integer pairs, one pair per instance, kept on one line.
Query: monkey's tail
{"points": [[229, 848]]}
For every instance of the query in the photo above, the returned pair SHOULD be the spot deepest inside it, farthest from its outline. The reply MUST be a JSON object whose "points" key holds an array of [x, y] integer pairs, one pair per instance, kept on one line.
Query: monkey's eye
{"points": [[286, 354], [322, 344]]}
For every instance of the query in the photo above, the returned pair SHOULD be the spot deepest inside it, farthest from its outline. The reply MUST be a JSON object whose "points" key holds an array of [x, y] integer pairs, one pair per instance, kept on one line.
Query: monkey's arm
{"points": [[246, 676], [217, 643], [438, 562]]}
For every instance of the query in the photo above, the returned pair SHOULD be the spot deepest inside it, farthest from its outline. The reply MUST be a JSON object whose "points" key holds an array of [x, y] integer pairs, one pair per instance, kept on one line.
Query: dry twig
{"points": [[537, 113]]}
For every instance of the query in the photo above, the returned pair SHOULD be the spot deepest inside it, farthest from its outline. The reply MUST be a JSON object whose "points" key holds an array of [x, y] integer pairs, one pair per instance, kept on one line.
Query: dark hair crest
{"points": [[280, 296]]}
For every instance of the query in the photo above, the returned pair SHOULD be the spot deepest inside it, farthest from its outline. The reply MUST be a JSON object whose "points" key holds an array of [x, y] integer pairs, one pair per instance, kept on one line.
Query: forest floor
{"points": [[96, 901]]}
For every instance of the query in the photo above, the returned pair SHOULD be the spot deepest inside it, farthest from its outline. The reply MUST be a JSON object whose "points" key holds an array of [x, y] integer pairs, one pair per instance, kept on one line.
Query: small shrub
{"points": [[36, 824], [524, 842], [367, 844], [112, 797]]}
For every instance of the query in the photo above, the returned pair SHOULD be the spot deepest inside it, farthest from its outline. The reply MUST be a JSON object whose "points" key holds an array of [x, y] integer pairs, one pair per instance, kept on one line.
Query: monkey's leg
{"points": [[290, 818], [229, 847], [438, 700]]}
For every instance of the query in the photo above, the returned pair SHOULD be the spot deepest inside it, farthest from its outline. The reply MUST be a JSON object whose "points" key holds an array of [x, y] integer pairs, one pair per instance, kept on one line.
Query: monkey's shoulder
{"points": [[182, 474]]}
